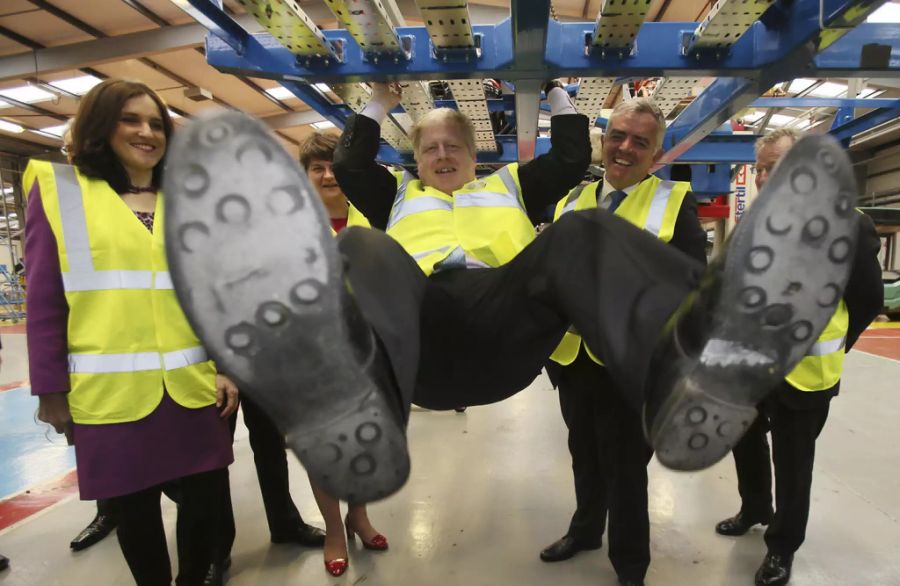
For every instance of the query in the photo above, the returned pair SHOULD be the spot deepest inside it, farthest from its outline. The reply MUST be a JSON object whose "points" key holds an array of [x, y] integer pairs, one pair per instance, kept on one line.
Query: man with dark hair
{"points": [[609, 454], [796, 411]]}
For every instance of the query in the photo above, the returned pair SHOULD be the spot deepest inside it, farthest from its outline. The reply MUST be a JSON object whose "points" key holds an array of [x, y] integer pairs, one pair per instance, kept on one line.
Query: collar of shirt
{"points": [[605, 189]]}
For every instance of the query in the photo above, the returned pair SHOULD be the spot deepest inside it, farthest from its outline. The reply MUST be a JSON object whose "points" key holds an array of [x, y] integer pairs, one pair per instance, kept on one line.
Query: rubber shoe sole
{"points": [[259, 277], [787, 265]]}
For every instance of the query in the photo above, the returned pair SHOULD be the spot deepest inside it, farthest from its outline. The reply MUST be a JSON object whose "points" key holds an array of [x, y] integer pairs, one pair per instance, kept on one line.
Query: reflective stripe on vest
{"points": [[106, 363], [657, 212], [826, 347], [417, 206], [396, 210], [105, 280], [81, 275]]}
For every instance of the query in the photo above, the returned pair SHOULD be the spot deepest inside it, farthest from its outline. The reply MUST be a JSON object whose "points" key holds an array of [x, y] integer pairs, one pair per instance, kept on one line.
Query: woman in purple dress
{"points": [[113, 360]]}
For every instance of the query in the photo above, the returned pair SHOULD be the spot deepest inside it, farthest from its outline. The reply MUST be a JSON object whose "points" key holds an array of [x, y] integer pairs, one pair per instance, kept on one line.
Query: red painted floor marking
{"points": [[13, 328], [36, 499], [886, 347], [12, 386]]}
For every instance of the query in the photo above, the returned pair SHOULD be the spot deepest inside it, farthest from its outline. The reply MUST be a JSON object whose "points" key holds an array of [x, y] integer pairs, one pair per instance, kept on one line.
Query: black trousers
{"points": [[794, 431], [478, 336], [199, 528], [270, 459], [609, 464]]}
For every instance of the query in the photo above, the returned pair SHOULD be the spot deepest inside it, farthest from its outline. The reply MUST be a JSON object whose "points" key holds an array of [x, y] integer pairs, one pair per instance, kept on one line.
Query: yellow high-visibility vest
{"points": [[482, 224], [823, 364], [127, 336], [652, 206]]}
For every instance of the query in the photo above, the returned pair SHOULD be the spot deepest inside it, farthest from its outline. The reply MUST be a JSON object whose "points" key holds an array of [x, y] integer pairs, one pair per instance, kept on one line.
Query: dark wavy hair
{"points": [[96, 120]]}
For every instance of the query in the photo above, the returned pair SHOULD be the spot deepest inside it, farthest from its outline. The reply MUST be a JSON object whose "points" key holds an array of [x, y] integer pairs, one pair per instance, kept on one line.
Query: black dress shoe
{"points": [[4, 562], [99, 528], [275, 322], [758, 310], [216, 574], [739, 524], [303, 534], [564, 548], [775, 570]]}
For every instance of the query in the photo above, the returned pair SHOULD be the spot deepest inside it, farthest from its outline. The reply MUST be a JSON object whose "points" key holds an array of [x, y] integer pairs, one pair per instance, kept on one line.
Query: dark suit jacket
{"points": [[372, 188]]}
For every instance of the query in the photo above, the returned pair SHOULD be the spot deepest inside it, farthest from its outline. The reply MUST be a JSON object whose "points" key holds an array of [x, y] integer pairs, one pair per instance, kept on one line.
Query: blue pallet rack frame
{"points": [[530, 47]]}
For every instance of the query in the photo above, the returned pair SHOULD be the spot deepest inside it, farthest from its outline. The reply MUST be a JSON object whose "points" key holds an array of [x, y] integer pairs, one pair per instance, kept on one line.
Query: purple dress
{"points": [[118, 458]]}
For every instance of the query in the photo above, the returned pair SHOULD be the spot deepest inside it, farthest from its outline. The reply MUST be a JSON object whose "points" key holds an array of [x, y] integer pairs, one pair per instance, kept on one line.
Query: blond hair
{"points": [[775, 136], [439, 116], [642, 106]]}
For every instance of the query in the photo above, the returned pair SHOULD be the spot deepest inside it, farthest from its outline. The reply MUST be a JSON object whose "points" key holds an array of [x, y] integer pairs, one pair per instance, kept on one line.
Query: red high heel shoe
{"points": [[378, 543], [337, 566]]}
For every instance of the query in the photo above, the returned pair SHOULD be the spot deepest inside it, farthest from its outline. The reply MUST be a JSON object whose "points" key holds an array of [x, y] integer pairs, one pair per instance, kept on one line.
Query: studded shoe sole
{"points": [[784, 274], [258, 275]]}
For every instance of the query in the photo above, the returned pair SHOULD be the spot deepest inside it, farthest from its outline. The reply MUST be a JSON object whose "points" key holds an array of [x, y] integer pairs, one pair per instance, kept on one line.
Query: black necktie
{"points": [[617, 197]]}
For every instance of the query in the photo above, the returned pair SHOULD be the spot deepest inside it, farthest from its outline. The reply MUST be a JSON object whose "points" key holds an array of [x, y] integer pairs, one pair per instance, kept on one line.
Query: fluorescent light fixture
{"points": [[76, 85], [753, 116], [10, 127], [173, 114], [7, 190], [55, 130], [27, 93], [889, 13], [280, 93], [780, 120], [870, 93], [322, 125], [800, 84], [322, 87], [829, 90]]}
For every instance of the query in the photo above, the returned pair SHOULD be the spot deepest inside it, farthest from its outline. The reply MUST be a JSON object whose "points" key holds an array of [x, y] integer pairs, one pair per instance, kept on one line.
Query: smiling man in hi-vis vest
{"points": [[796, 412], [459, 304], [609, 454]]}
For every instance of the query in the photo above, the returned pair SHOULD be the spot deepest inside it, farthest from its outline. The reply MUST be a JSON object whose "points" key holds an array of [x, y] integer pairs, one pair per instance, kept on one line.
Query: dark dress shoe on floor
{"points": [[4, 562], [99, 528], [759, 308], [275, 322], [302, 534], [564, 548], [739, 524], [775, 570], [216, 574]]}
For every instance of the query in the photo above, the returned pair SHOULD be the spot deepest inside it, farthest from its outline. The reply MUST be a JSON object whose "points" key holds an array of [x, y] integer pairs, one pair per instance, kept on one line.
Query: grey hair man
{"points": [[796, 411]]}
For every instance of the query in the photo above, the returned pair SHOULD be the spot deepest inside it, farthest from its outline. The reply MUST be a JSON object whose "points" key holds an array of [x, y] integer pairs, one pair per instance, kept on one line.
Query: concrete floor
{"points": [[491, 487]]}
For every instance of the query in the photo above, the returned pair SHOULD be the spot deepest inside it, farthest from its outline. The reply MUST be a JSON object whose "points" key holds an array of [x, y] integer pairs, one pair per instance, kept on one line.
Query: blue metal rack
{"points": [[789, 39]]}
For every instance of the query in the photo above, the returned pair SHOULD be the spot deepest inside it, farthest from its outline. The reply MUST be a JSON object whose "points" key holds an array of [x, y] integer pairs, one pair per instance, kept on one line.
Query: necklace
{"points": [[136, 189]]}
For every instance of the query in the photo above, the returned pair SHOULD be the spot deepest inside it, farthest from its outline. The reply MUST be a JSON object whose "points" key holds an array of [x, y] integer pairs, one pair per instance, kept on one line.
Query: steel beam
{"points": [[718, 103], [847, 131], [131, 46], [807, 102], [290, 119], [530, 20], [656, 54]]}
